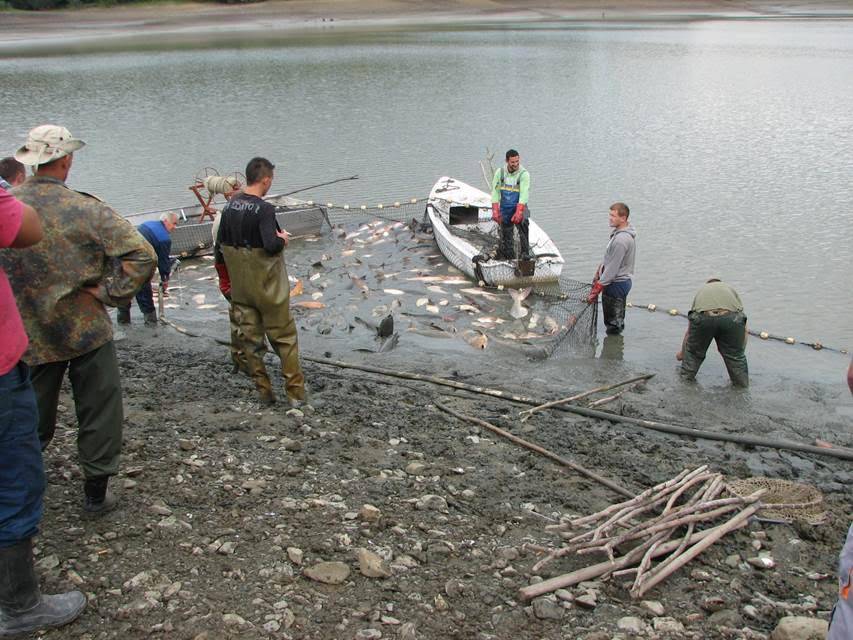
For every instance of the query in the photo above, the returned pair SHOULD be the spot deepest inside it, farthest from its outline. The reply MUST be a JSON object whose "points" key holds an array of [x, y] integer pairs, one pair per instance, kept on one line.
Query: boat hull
{"points": [[192, 237], [454, 204]]}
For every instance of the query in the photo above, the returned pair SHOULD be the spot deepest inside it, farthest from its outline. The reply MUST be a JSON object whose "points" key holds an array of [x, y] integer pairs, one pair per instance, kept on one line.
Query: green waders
{"points": [[96, 385], [260, 295], [729, 331], [238, 355]]}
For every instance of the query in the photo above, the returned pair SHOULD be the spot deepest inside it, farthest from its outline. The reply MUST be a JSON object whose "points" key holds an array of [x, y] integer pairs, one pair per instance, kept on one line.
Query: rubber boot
{"points": [[123, 315], [22, 607], [150, 319], [614, 314], [265, 393], [99, 499]]}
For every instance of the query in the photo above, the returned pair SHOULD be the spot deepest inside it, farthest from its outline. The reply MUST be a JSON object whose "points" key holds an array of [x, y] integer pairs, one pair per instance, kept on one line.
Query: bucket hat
{"points": [[46, 143]]}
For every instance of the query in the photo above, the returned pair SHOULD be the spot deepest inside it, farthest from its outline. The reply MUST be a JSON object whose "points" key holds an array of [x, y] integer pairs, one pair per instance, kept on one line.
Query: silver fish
{"points": [[518, 296]]}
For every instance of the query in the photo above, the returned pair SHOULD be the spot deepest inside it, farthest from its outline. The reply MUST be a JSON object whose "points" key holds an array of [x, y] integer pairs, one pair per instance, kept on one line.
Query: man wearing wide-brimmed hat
{"points": [[90, 257]]}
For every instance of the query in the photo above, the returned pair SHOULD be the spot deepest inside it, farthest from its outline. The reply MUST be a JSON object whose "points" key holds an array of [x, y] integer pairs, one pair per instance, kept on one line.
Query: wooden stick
{"points": [[699, 547], [604, 513], [598, 403], [525, 415], [754, 441], [593, 571], [533, 447]]}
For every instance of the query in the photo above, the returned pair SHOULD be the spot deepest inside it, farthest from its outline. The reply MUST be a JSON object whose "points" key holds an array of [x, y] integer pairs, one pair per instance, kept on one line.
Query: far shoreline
{"points": [[190, 24]]}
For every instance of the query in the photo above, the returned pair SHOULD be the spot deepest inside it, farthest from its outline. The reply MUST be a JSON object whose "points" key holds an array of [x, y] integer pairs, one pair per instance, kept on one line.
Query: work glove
{"points": [[496, 212], [518, 216], [592, 298], [224, 280]]}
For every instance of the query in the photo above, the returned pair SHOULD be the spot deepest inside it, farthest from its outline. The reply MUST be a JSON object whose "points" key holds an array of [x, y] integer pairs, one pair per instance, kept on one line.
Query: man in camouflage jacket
{"points": [[90, 257]]}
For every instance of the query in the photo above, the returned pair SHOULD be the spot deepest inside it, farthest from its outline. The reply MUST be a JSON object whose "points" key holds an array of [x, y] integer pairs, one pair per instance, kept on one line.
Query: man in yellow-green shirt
{"points": [[510, 190], [716, 314]]}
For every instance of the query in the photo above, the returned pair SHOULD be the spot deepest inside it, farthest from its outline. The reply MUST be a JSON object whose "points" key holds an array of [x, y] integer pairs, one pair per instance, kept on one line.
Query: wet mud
{"points": [[226, 506]]}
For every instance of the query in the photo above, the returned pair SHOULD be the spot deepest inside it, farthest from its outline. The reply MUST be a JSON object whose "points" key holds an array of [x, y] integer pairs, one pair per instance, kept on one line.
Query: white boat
{"points": [[460, 214], [192, 236]]}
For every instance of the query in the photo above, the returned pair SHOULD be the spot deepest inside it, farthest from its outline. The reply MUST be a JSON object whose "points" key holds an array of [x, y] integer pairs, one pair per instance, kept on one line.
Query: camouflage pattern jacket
{"points": [[86, 244]]}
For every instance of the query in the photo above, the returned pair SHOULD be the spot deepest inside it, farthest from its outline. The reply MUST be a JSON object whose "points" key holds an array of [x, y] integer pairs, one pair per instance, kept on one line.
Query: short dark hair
{"points": [[9, 168], [512, 153], [258, 169], [621, 208]]}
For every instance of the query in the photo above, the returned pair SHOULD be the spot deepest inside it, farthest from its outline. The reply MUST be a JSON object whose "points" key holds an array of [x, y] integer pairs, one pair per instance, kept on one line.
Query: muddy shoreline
{"points": [[226, 505], [163, 25]]}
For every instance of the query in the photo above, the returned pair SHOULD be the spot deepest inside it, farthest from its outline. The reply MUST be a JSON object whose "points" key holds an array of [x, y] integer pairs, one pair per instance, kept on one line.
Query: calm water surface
{"points": [[731, 142]]}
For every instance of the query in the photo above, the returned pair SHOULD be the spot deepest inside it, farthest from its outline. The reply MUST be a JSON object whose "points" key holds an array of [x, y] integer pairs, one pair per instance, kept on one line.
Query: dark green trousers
{"points": [[729, 332], [96, 386]]}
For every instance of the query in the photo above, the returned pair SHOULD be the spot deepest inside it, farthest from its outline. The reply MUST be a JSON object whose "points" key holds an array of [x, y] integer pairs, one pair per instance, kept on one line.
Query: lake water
{"points": [[730, 140]]}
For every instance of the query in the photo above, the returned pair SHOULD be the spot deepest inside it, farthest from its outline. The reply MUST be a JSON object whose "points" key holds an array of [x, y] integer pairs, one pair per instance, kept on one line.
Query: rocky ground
{"points": [[375, 515]]}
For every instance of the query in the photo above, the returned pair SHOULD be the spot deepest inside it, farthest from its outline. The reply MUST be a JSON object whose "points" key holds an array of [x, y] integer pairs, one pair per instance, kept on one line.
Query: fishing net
{"points": [[785, 500], [577, 320]]}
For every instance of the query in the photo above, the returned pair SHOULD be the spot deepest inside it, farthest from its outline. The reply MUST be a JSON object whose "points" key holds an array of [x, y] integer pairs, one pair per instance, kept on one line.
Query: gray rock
{"points": [[631, 625], [725, 618], [713, 603], [800, 628], [416, 468], [432, 502], [751, 612], [653, 606], [546, 608], [173, 524], [587, 601], [328, 572], [368, 634], [407, 632], [290, 444], [233, 620], [564, 595], [667, 625], [369, 513], [48, 562], [295, 555], [762, 562], [371, 565], [732, 560]]}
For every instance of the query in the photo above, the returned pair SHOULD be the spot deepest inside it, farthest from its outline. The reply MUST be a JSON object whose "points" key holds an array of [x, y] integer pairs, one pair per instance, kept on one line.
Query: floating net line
{"points": [[398, 211]]}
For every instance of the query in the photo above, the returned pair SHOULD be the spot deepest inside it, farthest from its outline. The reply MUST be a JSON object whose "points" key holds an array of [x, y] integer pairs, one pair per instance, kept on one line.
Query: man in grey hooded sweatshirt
{"points": [[614, 276]]}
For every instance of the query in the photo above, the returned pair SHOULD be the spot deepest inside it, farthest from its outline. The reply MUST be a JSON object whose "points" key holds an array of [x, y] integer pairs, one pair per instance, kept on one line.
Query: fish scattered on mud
{"points": [[518, 296], [421, 302], [550, 325], [308, 304], [432, 308], [393, 292], [476, 339], [297, 289]]}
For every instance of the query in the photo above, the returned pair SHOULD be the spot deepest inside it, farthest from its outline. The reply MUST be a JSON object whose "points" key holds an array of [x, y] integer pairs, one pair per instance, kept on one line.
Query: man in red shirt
{"points": [[23, 608]]}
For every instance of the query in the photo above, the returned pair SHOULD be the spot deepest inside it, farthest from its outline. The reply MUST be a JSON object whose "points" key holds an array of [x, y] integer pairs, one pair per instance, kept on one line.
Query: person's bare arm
{"points": [[31, 231]]}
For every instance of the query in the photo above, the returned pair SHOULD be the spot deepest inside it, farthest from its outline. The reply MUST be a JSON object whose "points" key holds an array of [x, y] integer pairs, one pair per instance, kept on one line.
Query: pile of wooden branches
{"points": [[634, 532]]}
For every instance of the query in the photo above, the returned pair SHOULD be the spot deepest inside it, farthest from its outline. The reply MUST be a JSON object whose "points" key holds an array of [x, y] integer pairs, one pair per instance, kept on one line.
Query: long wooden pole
{"points": [[540, 450], [528, 412], [754, 441]]}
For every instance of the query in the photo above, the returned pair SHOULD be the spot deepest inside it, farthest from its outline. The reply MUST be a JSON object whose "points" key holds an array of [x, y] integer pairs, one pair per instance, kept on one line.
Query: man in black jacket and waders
{"points": [[251, 245]]}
